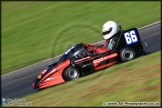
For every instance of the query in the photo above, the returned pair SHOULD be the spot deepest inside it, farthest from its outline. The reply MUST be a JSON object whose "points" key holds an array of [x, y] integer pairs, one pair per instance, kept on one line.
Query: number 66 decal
{"points": [[131, 37]]}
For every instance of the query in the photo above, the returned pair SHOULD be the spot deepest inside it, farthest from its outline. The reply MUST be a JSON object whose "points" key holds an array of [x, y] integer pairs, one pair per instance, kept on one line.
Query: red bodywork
{"points": [[53, 77], [98, 61]]}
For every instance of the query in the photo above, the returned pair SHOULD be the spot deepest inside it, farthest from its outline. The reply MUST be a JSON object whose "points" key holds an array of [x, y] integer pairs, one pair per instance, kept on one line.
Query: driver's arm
{"points": [[96, 48], [88, 47], [91, 48]]}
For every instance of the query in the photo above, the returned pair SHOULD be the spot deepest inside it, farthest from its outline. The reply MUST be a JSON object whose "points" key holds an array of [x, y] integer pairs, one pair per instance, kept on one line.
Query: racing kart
{"points": [[77, 61]]}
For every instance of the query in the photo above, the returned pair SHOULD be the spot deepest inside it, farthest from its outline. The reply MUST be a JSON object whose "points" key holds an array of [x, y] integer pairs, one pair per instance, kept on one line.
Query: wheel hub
{"points": [[73, 73], [128, 55]]}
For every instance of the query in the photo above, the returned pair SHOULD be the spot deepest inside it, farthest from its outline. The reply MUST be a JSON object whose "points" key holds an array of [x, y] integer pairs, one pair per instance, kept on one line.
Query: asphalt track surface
{"points": [[18, 84]]}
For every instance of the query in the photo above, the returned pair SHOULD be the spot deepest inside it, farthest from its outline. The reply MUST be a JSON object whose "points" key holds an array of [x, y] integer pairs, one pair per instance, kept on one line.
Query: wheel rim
{"points": [[73, 74], [128, 55]]}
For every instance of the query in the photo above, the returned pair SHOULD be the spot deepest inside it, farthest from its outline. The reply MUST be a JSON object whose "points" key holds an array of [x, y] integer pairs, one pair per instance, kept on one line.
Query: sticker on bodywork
{"points": [[39, 76], [130, 37]]}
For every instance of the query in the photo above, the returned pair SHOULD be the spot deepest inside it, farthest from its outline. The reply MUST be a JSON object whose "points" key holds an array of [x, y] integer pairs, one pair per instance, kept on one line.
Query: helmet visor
{"points": [[107, 32]]}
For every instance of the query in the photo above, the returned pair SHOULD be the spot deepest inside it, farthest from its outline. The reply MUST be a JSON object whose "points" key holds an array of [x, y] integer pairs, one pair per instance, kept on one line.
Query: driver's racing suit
{"points": [[97, 49], [106, 46]]}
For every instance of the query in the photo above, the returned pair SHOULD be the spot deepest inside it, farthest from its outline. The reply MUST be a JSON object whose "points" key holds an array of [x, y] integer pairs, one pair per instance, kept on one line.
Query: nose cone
{"points": [[35, 83]]}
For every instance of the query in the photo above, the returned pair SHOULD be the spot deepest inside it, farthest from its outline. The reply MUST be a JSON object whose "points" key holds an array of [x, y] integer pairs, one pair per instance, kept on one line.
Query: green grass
{"points": [[134, 81], [35, 31]]}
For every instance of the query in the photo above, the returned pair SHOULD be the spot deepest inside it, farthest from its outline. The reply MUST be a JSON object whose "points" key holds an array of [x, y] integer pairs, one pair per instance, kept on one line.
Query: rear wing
{"points": [[128, 38]]}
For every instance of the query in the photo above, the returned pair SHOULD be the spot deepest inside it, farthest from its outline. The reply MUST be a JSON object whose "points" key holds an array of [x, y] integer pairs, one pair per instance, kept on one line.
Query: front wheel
{"points": [[127, 54], [71, 73]]}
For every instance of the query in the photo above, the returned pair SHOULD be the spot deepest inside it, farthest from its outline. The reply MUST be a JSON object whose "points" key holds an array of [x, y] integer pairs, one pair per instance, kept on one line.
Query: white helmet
{"points": [[109, 29]]}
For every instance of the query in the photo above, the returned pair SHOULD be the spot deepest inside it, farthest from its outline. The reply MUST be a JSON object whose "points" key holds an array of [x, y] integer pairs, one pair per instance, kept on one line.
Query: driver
{"points": [[110, 31]]}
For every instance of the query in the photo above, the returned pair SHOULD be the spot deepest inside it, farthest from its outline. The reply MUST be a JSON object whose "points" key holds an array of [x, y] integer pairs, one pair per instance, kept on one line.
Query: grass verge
{"points": [[134, 81], [35, 31]]}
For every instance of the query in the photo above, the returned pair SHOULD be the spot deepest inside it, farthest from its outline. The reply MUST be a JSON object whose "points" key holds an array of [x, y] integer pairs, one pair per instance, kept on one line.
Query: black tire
{"points": [[127, 54], [71, 73]]}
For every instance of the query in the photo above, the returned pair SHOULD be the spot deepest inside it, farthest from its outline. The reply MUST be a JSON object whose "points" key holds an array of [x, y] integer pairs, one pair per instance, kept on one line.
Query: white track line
{"points": [[61, 54], [149, 25]]}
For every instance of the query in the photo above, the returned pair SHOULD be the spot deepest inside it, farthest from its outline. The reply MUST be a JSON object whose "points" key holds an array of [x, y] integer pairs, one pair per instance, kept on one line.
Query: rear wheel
{"points": [[127, 54], [71, 73]]}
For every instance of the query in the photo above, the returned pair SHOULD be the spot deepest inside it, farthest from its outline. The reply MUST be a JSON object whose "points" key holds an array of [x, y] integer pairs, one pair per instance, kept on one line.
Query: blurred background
{"points": [[36, 31], [30, 29]]}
